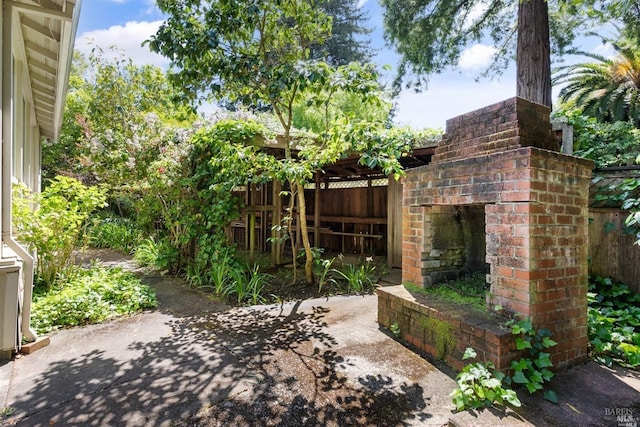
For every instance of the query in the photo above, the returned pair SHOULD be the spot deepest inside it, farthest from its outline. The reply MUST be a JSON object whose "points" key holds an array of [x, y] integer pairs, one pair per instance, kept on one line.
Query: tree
{"points": [[113, 118], [607, 89], [606, 11], [349, 39], [320, 113], [257, 52], [533, 60], [431, 35]]}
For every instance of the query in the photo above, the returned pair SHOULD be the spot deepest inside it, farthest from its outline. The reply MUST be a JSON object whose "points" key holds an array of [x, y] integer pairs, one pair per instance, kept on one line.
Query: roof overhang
{"points": [[46, 31]]}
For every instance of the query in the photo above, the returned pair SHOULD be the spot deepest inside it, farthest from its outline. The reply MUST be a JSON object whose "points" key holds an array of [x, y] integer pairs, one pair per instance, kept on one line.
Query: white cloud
{"points": [[127, 38], [151, 7], [361, 3], [476, 58]]}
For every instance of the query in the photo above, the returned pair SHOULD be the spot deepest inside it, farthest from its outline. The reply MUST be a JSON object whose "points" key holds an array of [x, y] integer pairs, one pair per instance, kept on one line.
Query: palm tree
{"points": [[608, 89]]}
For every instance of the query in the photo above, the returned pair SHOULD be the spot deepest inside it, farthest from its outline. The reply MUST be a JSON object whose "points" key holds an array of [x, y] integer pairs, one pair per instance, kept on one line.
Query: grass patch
{"points": [[470, 291], [90, 296]]}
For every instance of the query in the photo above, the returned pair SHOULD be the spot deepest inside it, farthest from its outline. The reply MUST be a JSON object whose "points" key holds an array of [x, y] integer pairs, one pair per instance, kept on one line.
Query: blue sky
{"points": [[126, 23]]}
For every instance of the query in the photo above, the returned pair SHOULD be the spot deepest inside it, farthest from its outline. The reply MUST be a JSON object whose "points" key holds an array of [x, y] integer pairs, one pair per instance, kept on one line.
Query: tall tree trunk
{"points": [[533, 63]]}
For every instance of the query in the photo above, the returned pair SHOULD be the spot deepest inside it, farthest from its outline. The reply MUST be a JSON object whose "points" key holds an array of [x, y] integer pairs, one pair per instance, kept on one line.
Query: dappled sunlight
{"points": [[275, 365]]}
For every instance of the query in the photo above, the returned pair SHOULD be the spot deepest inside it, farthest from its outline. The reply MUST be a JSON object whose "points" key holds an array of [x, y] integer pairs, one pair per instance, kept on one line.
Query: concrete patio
{"points": [[194, 361]]}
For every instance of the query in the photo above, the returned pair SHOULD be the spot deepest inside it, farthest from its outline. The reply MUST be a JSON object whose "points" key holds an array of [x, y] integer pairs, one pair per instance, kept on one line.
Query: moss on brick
{"points": [[440, 335]]}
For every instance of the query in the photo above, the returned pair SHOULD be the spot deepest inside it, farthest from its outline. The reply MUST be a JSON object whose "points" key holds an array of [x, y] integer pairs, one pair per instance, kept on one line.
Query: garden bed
{"points": [[444, 329]]}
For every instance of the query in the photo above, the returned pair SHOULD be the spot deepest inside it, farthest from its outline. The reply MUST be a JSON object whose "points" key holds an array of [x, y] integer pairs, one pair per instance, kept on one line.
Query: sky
{"points": [[127, 23]]}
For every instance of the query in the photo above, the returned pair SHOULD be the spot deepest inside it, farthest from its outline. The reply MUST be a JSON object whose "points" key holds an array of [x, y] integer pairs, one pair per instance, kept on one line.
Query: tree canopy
{"points": [[257, 52], [111, 120], [431, 35], [349, 40], [608, 88]]}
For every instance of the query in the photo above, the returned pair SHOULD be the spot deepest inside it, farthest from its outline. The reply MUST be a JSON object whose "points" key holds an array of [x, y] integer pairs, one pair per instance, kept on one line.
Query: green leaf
{"points": [[532, 387], [551, 396], [511, 397], [521, 344], [519, 365], [543, 360], [491, 383], [469, 353], [520, 378]]}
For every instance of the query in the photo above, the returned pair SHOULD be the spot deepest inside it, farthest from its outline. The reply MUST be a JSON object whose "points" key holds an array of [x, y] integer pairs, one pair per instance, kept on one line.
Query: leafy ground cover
{"points": [[614, 323], [470, 291], [115, 232], [90, 296]]}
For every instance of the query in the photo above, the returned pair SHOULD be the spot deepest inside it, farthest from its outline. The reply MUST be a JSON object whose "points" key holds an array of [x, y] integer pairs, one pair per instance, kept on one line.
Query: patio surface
{"points": [[323, 362]]}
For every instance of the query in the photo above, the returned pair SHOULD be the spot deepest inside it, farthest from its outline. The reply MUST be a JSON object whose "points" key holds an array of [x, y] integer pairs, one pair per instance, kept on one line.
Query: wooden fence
{"points": [[611, 249]]}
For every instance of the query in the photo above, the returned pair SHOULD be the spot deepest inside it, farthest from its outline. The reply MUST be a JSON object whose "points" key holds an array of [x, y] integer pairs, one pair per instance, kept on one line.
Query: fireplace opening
{"points": [[458, 247]]}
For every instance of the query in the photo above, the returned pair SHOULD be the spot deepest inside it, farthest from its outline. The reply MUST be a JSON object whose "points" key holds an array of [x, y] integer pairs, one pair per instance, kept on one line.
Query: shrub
{"points": [[479, 386], [531, 369], [54, 228], [608, 144], [114, 233], [91, 296], [246, 285], [147, 252]]}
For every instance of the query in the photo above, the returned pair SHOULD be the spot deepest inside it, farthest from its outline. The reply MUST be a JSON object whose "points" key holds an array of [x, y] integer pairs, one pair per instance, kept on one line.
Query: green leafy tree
{"points": [[606, 11], [115, 120], [607, 89], [349, 40], [257, 53], [348, 93], [62, 157], [319, 113], [607, 144], [431, 35]]}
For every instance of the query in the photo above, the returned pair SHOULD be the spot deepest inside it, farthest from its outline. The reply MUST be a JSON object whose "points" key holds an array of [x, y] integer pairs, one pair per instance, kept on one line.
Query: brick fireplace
{"points": [[499, 198]]}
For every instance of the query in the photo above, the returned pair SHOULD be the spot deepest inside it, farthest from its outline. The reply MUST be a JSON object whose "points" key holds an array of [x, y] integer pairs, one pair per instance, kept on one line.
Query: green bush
{"points": [[531, 370], [147, 252], [614, 323], [114, 233], [608, 144], [160, 255], [91, 296], [246, 285], [52, 223]]}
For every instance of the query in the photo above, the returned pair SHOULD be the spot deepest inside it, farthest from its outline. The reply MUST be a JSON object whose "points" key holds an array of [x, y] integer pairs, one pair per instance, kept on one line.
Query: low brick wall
{"points": [[444, 330]]}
